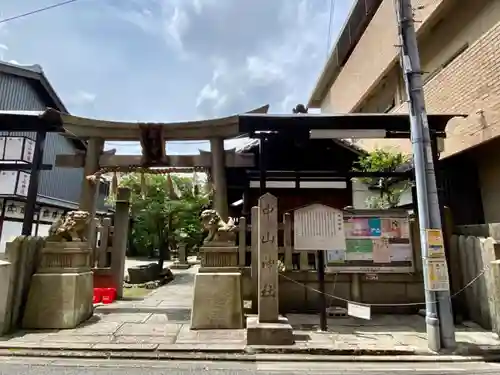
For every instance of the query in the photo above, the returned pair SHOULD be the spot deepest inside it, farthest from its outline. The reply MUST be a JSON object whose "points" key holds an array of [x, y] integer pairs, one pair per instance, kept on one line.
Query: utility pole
{"points": [[439, 316]]}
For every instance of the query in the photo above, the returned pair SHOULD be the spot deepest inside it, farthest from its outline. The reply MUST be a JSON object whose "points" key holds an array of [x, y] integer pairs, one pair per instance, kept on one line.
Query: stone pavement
{"points": [[160, 324]]}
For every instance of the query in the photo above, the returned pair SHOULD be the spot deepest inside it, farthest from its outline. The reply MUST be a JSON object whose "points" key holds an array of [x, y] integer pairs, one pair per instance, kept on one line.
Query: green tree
{"points": [[390, 188], [164, 214]]}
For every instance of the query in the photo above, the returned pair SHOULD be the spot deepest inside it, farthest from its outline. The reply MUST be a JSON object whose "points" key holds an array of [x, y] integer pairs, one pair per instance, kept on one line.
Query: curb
{"points": [[247, 356], [248, 351]]}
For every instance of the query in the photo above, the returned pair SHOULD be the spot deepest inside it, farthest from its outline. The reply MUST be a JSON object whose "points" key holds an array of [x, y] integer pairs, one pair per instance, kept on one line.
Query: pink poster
{"points": [[391, 228], [360, 227]]}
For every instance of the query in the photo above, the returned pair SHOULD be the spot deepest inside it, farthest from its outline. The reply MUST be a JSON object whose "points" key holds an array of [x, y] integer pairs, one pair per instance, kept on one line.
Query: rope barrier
{"points": [[145, 170], [483, 271]]}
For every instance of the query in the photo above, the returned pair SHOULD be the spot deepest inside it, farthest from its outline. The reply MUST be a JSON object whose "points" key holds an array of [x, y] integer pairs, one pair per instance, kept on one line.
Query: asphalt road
{"points": [[34, 366]]}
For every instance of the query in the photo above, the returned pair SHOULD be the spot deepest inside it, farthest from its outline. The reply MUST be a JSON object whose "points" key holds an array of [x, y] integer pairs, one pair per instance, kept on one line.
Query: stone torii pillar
{"points": [[88, 193], [219, 177]]}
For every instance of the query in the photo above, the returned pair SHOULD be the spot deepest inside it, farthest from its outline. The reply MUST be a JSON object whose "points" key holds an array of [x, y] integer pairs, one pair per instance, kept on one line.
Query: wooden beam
{"points": [[70, 161], [23, 167], [204, 159]]}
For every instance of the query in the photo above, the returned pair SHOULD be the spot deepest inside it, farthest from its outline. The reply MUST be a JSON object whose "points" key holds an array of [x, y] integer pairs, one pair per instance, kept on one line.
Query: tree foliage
{"points": [[390, 188], [160, 221]]}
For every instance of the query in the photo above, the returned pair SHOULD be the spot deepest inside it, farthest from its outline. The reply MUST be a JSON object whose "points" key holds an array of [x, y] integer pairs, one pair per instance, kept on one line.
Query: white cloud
{"points": [[175, 60], [175, 26], [166, 19], [279, 64], [263, 71], [207, 93], [3, 50], [211, 95], [142, 18], [3, 46], [81, 98]]}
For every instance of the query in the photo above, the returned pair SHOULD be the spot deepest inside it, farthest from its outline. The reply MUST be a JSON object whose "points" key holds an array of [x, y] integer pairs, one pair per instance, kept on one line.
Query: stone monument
{"points": [[268, 327], [60, 294], [217, 299], [182, 262]]}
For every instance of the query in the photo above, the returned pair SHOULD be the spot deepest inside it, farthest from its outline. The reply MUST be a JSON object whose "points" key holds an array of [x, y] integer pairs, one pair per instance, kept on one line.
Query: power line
{"points": [[39, 10], [330, 22]]}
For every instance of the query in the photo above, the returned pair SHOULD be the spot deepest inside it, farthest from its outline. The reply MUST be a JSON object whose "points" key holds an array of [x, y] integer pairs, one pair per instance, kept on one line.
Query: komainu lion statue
{"points": [[218, 230], [71, 227]]}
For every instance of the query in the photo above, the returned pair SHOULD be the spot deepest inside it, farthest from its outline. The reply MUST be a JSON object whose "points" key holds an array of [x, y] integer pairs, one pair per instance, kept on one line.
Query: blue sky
{"points": [[174, 60]]}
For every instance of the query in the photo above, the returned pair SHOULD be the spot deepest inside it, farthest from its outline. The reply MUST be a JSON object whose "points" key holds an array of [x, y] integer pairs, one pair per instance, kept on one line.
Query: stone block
{"points": [[278, 333], [65, 257], [217, 301], [58, 300], [180, 266], [219, 256], [144, 273], [23, 255], [5, 296], [495, 295], [219, 270]]}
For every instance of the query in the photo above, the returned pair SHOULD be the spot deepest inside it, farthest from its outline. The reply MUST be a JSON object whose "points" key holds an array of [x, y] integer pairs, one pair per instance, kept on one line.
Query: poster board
{"points": [[377, 241]]}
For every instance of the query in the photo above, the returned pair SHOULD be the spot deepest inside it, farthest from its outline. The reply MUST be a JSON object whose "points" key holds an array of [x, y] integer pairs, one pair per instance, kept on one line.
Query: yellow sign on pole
{"points": [[435, 243], [437, 275]]}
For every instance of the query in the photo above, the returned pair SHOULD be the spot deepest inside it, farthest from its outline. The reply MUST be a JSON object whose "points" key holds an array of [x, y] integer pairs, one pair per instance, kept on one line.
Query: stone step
{"points": [[119, 309]]}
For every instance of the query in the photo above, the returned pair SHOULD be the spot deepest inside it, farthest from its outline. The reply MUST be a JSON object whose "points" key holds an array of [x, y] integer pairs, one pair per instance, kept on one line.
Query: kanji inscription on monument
{"points": [[318, 227], [268, 259]]}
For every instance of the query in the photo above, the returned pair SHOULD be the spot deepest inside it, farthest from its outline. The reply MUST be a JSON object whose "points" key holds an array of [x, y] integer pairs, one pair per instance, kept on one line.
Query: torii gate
{"points": [[153, 137]]}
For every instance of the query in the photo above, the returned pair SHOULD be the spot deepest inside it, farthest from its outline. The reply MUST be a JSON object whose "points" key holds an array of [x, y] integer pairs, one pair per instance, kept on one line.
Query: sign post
{"points": [[320, 228]]}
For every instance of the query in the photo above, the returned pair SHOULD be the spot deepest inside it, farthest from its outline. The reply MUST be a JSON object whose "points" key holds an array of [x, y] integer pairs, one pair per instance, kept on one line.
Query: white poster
{"points": [[401, 252], [359, 311], [437, 275], [335, 256], [381, 251]]}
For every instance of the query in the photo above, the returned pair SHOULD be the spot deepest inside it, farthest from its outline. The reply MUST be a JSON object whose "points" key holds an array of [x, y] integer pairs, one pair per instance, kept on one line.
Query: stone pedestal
{"points": [[276, 333], [219, 255], [61, 290], [219, 270], [217, 301]]}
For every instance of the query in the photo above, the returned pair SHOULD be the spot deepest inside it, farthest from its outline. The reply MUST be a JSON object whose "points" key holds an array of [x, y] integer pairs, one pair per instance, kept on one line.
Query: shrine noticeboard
{"points": [[377, 241], [318, 227]]}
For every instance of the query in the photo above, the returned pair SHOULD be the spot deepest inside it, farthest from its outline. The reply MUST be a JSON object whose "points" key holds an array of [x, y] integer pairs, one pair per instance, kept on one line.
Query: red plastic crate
{"points": [[108, 295], [97, 295]]}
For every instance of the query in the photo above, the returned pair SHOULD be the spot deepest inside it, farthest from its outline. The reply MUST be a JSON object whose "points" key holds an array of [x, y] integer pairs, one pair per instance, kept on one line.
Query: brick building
{"points": [[459, 43]]}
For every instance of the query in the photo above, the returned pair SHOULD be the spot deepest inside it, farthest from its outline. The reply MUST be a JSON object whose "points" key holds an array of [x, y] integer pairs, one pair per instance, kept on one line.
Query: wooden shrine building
{"points": [[305, 158], [297, 171]]}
